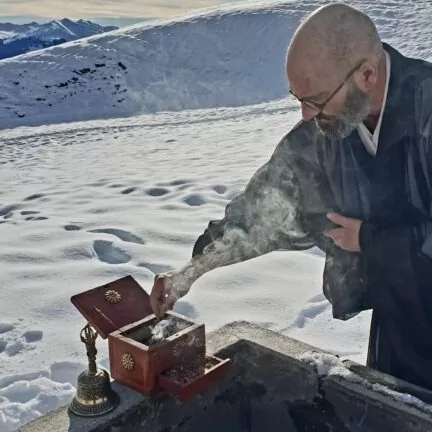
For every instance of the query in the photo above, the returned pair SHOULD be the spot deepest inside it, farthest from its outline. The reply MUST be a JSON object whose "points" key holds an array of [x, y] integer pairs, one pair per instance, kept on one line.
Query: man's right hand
{"points": [[167, 289], [160, 299]]}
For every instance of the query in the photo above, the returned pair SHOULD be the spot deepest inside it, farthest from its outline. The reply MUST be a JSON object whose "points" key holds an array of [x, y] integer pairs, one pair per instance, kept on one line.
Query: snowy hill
{"points": [[18, 39], [225, 57]]}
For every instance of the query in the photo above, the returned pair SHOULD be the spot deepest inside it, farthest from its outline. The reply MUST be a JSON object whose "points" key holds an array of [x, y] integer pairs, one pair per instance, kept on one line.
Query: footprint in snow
{"points": [[109, 254], [129, 190], [179, 182], [12, 343], [220, 189], [157, 191], [29, 212], [5, 328], [34, 197], [310, 312], [21, 392], [72, 227], [7, 211], [194, 200], [33, 336], [125, 236]]}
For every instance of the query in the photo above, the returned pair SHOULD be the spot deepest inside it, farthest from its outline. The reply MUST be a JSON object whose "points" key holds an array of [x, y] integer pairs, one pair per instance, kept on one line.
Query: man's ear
{"points": [[367, 76]]}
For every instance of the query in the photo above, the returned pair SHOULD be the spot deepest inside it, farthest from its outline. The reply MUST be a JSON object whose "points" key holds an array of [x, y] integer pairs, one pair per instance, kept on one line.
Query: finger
{"points": [[339, 242], [168, 304], [335, 233], [338, 219], [157, 295], [155, 303]]}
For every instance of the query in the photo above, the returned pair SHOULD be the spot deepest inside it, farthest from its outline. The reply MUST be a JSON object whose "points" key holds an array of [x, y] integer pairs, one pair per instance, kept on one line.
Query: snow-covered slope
{"points": [[21, 39], [225, 57], [83, 204]]}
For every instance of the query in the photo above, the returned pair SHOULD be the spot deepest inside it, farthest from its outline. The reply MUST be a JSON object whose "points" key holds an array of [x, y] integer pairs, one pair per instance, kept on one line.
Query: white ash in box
{"points": [[167, 328], [157, 331]]}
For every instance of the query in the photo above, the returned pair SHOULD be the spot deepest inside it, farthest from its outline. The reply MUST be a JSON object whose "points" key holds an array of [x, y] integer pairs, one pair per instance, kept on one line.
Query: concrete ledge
{"points": [[263, 355], [361, 409], [268, 387]]}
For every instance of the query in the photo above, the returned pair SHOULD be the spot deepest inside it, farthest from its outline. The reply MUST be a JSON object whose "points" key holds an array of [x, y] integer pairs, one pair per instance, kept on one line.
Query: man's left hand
{"points": [[347, 235]]}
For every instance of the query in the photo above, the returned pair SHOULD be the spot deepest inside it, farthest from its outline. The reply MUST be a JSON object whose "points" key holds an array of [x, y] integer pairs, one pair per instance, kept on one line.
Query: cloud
{"points": [[102, 8]]}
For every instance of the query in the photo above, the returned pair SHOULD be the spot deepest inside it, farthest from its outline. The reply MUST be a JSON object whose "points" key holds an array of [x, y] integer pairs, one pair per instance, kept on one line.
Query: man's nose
{"points": [[308, 113]]}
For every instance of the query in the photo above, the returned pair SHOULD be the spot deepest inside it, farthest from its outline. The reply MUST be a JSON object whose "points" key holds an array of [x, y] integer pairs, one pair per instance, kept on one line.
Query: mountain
{"points": [[224, 57], [18, 28], [16, 39]]}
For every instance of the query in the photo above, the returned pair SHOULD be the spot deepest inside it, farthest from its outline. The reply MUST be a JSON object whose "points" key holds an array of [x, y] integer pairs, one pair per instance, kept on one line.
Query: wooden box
{"points": [[121, 311]]}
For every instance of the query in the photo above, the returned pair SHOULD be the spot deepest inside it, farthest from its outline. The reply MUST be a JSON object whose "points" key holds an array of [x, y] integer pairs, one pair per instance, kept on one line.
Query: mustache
{"points": [[322, 116]]}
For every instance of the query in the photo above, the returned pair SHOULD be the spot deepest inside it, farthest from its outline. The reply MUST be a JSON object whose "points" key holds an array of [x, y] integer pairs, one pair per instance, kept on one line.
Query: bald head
{"points": [[336, 66], [337, 34]]}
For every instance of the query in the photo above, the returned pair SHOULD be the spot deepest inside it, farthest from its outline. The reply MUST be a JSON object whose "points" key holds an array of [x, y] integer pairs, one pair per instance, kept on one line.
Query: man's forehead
{"points": [[308, 64], [309, 83]]}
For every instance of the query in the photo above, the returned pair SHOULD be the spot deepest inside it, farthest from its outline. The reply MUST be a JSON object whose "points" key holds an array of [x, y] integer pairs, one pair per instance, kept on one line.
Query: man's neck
{"points": [[377, 97]]}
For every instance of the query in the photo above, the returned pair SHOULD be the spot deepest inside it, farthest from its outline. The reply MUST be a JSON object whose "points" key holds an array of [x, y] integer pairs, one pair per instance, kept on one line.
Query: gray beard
{"points": [[356, 109]]}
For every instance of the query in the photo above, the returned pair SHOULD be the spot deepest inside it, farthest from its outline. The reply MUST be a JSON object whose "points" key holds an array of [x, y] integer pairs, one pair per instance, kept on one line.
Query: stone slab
{"points": [[268, 386]]}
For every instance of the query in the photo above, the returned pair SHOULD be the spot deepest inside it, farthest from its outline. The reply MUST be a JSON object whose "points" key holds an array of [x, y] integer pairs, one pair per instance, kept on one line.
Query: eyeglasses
{"points": [[320, 106]]}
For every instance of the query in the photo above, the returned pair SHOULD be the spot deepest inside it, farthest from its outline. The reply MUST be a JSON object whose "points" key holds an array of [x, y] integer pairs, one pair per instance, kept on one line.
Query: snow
{"points": [[87, 203], [214, 59], [30, 399], [6, 34], [92, 192], [330, 365]]}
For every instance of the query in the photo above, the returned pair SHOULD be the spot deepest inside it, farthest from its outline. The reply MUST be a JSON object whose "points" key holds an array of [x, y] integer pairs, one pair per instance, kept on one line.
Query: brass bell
{"points": [[94, 395]]}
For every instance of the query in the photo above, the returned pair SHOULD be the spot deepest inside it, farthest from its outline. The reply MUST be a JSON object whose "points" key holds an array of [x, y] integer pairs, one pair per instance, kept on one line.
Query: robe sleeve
{"points": [[281, 208]]}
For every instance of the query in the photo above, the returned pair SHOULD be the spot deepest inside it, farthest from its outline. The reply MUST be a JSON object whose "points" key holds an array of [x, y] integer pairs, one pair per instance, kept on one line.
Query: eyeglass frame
{"points": [[321, 106]]}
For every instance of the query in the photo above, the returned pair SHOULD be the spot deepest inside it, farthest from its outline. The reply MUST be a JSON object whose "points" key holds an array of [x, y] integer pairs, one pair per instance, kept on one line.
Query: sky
{"points": [[104, 11]]}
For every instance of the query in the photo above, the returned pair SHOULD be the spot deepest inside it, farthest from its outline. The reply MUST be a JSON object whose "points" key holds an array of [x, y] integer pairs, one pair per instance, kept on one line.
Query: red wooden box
{"points": [[121, 311]]}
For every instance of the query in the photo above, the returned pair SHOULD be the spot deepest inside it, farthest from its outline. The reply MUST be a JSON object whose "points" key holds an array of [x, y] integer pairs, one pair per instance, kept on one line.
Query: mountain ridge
{"points": [[17, 39]]}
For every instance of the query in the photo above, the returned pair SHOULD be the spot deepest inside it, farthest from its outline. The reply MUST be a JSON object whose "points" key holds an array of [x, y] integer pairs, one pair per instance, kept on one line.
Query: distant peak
{"points": [[66, 21]]}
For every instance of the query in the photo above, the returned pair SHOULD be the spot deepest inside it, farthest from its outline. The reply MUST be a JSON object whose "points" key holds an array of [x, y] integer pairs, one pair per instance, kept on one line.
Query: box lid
{"points": [[113, 305]]}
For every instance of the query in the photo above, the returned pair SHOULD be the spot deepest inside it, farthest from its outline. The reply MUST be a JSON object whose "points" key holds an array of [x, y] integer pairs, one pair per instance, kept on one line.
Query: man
{"points": [[353, 178]]}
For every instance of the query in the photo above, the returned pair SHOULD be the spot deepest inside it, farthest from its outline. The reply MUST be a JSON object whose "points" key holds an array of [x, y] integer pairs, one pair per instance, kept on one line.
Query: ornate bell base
{"points": [[94, 395]]}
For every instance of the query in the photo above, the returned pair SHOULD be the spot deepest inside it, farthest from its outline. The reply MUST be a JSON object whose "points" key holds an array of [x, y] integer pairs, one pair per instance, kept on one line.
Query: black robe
{"points": [[284, 207]]}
